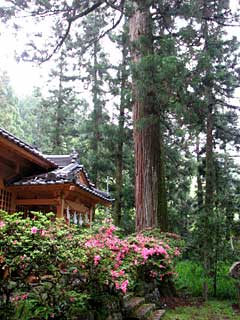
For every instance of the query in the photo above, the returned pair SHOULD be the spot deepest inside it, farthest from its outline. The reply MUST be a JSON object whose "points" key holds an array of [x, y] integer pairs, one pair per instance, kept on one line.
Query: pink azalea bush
{"points": [[50, 268]]}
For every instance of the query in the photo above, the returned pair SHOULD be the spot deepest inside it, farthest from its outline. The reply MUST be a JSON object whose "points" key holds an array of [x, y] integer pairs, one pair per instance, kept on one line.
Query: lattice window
{"points": [[5, 200]]}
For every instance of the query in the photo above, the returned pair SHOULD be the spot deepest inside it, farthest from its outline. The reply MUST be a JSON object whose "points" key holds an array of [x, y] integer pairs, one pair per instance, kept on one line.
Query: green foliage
{"points": [[10, 117], [190, 279], [50, 269], [188, 70]]}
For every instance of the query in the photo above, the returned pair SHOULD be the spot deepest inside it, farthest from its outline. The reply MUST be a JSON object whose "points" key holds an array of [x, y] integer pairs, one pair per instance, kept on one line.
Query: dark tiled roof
{"points": [[10, 137], [60, 160], [66, 169], [62, 176]]}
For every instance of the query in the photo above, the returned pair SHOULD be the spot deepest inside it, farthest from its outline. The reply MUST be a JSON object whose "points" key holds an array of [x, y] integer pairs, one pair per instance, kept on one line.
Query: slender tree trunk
{"points": [[57, 136], [121, 120], [209, 198], [208, 250], [149, 173], [210, 176], [199, 180], [95, 121], [97, 114]]}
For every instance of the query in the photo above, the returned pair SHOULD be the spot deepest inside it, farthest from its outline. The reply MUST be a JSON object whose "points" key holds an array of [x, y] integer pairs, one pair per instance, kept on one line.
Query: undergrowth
{"points": [[190, 280]]}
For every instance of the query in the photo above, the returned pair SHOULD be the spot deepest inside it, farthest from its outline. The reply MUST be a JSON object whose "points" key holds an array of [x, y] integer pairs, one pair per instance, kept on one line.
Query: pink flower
{"points": [[121, 272], [153, 274], [114, 274], [96, 260], [42, 233], [15, 242], [34, 230], [2, 224], [74, 271], [110, 230], [72, 299], [124, 286], [161, 250], [177, 252], [24, 296]]}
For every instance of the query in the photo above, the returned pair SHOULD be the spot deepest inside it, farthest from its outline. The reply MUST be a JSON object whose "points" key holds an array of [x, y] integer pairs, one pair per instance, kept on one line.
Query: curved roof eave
{"points": [[27, 147]]}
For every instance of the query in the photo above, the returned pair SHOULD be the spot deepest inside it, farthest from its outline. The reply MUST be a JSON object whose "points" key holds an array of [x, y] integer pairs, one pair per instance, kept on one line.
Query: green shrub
{"points": [[49, 269]]}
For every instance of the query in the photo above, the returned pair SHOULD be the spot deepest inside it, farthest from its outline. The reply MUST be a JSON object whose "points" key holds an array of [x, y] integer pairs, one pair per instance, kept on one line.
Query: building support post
{"points": [[60, 209]]}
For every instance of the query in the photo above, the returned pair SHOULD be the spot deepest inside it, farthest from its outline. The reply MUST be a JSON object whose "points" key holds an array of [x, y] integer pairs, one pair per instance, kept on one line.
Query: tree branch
{"points": [[230, 106], [118, 8], [86, 12], [70, 20], [59, 44]]}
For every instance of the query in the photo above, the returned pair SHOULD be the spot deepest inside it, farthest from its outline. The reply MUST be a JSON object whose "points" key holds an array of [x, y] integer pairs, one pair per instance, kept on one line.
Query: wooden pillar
{"points": [[91, 215], [13, 202], [60, 209], [1, 183]]}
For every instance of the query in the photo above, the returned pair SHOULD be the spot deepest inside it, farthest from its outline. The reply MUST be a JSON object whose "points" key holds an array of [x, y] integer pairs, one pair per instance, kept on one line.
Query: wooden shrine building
{"points": [[31, 181]]}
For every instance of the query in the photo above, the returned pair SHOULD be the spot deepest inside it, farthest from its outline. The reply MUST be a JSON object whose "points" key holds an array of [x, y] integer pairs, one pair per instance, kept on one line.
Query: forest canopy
{"points": [[162, 123]]}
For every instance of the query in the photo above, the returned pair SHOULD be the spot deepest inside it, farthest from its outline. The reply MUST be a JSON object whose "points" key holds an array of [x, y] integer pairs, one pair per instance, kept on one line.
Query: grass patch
{"points": [[212, 310], [190, 280]]}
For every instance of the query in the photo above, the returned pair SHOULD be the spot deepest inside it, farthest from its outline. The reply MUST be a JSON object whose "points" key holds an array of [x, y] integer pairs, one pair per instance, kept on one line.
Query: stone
{"points": [[157, 314], [143, 311], [235, 270], [115, 316], [133, 302]]}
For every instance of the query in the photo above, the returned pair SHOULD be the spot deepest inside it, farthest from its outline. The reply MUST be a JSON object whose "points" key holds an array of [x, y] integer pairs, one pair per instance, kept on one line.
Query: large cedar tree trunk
{"points": [[150, 194]]}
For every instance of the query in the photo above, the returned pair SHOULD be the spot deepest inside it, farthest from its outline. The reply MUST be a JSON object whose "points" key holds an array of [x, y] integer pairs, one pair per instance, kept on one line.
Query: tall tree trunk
{"points": [[209, 197], [199, 180], [208, 238], [97, 114], [210, 176], [95, 121], [119, 153], [149, 173], [57, 135], [162, 194]]}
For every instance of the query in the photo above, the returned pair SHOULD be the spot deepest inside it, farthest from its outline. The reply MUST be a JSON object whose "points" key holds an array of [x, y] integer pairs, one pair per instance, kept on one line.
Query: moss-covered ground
{"points": [[212, 310]]}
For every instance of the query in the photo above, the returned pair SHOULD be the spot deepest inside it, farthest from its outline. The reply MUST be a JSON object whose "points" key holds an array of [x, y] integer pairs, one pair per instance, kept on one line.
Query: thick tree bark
{"points": [[150, 194]]}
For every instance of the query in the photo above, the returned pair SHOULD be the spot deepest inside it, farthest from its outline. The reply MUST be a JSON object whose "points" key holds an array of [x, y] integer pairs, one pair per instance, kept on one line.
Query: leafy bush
{"points": [[49, 269]]}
